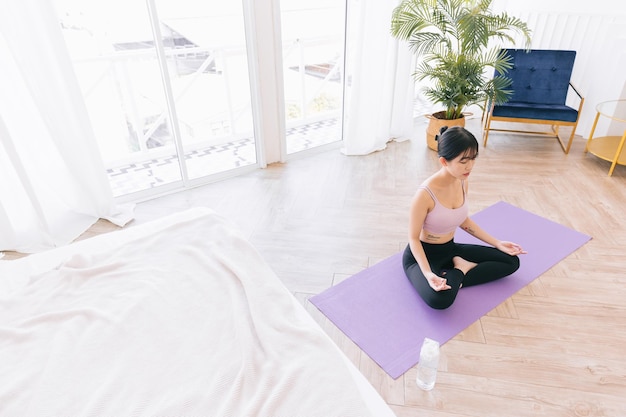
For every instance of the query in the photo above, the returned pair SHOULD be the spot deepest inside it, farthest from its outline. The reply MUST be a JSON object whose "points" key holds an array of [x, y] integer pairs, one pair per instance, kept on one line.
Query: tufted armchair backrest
{"points": [[540, 76]]}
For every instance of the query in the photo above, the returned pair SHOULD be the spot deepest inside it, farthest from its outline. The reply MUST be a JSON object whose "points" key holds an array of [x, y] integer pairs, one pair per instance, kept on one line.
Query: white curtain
{"points": [[379, 100], [53, 184]]}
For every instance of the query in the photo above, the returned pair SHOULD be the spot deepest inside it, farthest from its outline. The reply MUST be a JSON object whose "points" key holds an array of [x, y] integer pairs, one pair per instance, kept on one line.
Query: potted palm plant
{"points": [[456, 43]]}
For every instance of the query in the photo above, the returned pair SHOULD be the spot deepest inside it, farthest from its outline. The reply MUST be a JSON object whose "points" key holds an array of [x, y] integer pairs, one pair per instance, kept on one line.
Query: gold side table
{"points": [[609, 148]]}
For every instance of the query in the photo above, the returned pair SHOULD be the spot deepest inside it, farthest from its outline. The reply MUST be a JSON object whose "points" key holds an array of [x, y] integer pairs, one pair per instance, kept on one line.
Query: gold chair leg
{"points": [[571, 140], [486, 127], [566, 148]]}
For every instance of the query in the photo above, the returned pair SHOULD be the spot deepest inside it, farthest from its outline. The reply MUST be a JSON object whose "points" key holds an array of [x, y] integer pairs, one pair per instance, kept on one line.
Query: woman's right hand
{"points": [[436, 282]]}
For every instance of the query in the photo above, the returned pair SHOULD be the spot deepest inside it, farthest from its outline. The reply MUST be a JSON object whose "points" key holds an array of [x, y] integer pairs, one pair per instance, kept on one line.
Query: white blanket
{"points": [[183, 319]]}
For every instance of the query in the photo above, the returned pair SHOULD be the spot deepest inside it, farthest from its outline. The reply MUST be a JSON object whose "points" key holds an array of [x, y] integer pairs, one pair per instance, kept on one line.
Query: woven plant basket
{"points": [[436, 123]]}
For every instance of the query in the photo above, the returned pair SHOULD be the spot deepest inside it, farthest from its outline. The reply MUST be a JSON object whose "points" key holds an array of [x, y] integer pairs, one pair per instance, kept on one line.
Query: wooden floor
{"points": [[556, 348]]}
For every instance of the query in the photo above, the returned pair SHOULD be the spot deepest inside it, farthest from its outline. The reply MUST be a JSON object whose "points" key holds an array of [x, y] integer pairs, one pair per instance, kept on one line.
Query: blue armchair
{"points": [[541, 83]]}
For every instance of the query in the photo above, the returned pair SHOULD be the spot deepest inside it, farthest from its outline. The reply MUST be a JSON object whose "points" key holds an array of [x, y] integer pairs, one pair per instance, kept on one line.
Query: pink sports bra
{"points": [[442, 220]]}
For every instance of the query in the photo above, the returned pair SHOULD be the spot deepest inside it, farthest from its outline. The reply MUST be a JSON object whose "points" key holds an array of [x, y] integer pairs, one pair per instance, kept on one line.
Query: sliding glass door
{"points": [[166, 86], [207, 64], [313, 37]]}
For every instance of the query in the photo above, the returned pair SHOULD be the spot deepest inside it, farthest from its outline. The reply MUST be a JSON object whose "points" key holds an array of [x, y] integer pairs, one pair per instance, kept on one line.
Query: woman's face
{"points": [[461, 166]]}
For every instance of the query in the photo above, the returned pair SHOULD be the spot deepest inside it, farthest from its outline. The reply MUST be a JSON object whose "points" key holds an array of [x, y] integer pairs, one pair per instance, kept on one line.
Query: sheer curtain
{"points": [[379, 101], [53, 184]]}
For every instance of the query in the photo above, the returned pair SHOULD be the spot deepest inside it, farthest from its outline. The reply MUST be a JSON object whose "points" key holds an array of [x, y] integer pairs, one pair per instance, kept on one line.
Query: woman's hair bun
{"points": [[443, 129]]}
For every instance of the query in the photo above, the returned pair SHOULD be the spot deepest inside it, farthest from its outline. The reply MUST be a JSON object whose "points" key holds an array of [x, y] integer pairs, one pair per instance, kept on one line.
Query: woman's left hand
{"points": [[510, 248]]}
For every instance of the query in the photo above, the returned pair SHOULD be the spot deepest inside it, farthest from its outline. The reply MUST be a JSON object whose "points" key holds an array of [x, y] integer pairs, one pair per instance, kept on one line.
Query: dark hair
{"points": [[454, 141]]}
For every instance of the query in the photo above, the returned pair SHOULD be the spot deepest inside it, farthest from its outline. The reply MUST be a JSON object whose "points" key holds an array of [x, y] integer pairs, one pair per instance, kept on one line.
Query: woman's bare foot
{"points": [[462, 265]]}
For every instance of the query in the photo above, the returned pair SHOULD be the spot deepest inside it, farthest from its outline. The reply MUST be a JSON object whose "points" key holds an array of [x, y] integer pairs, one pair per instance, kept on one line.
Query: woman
{"points": [[436, 265]]}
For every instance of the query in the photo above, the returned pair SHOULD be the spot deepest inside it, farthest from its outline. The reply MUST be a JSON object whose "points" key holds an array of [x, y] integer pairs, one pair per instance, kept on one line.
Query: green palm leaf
{"points": [[453, 40]]}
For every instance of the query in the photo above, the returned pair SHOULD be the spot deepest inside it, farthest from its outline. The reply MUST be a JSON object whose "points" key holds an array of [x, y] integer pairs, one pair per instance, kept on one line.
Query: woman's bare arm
{"points": [[420, 205]]}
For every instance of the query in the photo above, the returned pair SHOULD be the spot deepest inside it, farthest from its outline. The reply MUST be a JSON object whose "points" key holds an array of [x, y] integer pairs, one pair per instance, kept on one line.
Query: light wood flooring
{"points": [[555, 348]]}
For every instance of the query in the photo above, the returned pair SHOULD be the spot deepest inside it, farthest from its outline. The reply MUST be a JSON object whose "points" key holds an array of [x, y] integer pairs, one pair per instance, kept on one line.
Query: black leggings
{"points": [[492, 264]]}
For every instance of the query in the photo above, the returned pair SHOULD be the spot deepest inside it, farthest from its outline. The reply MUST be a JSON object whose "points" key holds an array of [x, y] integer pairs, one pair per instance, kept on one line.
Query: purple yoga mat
{"points": [[381, 312]]}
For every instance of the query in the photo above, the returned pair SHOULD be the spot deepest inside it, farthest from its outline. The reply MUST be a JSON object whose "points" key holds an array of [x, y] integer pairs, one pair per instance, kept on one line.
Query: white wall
{"points": [[596, 30], [562, 6]]}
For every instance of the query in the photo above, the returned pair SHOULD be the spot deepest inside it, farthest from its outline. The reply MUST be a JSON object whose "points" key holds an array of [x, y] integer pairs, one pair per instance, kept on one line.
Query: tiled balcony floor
{"points": [[150, 173]]}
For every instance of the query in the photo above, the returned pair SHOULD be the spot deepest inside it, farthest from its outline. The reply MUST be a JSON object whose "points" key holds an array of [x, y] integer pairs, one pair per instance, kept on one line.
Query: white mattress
{"points": [[177, 317]]}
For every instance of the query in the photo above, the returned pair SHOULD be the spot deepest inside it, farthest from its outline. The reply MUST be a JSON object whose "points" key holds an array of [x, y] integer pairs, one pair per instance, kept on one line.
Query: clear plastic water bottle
{"points": [[427, 366]]}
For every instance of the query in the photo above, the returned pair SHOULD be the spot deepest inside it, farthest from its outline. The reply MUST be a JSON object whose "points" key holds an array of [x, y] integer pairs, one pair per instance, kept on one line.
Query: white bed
{"points": [[177, 317]]}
